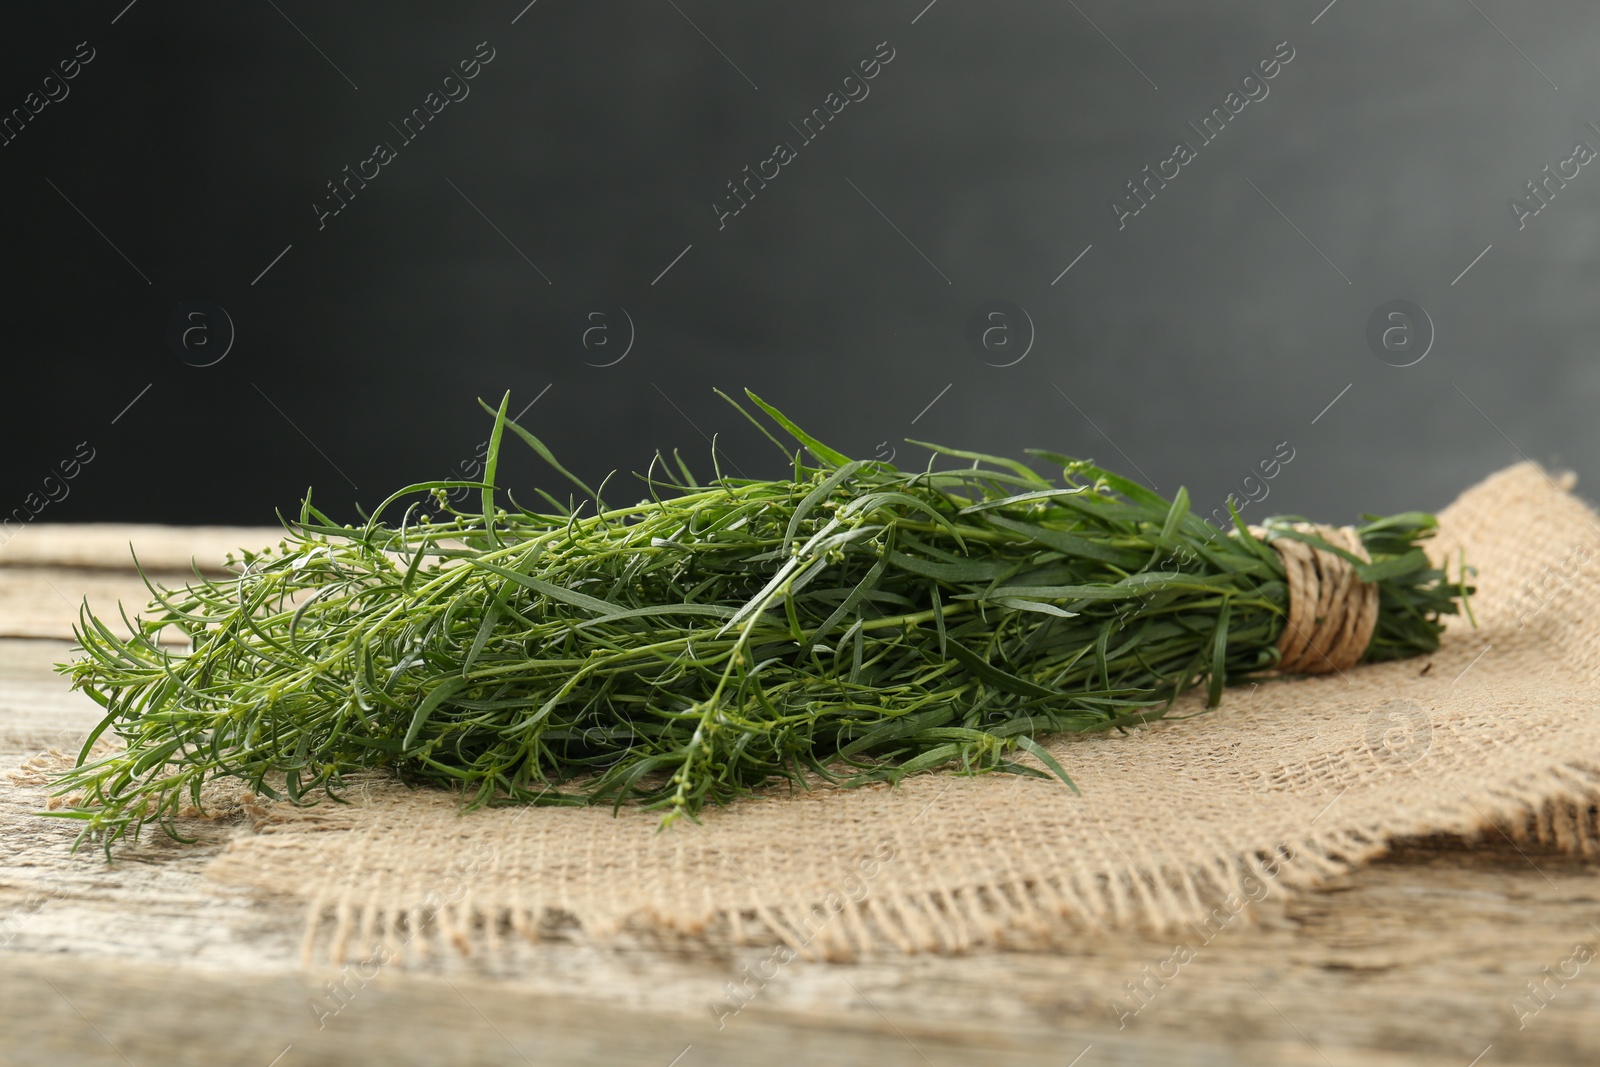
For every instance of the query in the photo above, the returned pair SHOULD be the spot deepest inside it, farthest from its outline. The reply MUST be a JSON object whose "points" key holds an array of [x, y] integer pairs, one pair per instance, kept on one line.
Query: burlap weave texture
{"points": [[1288, 783]]}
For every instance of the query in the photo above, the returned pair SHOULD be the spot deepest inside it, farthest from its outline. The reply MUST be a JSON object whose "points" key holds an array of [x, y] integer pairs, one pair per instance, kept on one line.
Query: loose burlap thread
{"points": [[1288, 783]]}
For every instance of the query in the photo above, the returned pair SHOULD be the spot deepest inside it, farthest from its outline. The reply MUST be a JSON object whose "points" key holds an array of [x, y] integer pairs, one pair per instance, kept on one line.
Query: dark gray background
{"points": [[1182, 349]]}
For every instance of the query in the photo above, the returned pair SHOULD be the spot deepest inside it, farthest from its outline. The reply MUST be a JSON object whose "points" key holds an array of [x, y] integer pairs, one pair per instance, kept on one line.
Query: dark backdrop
{"points": [[178, 176]]}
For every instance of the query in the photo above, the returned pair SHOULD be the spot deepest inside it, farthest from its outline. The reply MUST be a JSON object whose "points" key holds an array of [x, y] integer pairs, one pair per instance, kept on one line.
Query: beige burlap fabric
{"points": [[1289, 782]]}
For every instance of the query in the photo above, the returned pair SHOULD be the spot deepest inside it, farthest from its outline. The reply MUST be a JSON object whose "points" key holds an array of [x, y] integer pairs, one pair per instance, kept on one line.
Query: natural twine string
{"points": [[1332, 612]]}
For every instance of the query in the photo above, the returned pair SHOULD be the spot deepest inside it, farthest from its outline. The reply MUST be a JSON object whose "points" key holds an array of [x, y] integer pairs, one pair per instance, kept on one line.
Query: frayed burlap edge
{"points": [[1556, 807]]}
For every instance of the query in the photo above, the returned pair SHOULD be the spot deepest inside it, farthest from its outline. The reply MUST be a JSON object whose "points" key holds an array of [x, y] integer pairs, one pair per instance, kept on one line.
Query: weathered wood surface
{"points": [[46, 571], [1422, 958]]}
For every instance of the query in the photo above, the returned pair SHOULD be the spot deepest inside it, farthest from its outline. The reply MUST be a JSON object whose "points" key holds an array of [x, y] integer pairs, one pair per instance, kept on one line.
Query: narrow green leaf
{"points": [[847, 606], [490, 465], [1000, 679], [809, 502], [554, 592], [1393, 567], [1175, 514], [1038, 752], [1023, 498], [1071, 544], [1219, 656], [973, 571], [446, 689], [545, 454], [1023, 471], [818, 449], [1039, 606]]}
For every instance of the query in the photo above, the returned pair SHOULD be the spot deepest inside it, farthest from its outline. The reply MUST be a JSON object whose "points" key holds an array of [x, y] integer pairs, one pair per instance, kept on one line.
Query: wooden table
{"points": [[1422, 958]]}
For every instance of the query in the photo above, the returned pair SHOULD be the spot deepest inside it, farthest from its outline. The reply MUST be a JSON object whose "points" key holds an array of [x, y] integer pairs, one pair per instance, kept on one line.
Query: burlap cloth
{"points": [[1288, 783]]}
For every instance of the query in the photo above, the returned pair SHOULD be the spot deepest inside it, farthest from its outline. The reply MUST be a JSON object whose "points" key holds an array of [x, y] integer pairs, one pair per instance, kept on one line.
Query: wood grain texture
{"points": [[109, 546], [1421, 958], [48, 570]]}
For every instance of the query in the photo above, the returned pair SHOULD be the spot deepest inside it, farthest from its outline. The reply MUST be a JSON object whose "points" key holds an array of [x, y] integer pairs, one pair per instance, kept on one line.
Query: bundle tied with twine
{"points": [[1332, 612], [1181, 823], [853, 625]]}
